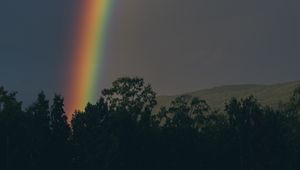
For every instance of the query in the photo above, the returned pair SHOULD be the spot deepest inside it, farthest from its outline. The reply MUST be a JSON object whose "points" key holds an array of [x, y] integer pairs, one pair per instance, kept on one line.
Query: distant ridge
{"points": [[216, 97]]}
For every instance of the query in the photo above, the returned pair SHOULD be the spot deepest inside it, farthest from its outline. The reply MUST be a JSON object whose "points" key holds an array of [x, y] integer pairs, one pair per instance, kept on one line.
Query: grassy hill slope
{"points": [[216, 97]]}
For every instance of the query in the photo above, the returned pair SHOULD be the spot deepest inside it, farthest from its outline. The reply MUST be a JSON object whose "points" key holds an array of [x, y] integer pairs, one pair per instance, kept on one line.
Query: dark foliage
{"points": [[121, 131]]}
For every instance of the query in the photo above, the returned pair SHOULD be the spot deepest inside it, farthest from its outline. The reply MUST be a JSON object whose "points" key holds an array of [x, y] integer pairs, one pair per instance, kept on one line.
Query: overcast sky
{"points": [[176, 45]]}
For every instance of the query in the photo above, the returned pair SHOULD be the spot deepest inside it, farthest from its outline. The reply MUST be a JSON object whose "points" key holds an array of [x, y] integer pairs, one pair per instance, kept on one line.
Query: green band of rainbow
{"points": [[89, 52]]}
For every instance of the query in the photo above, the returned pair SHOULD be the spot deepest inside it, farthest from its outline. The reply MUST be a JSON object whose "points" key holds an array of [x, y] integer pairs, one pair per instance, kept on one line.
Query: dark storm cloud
{"points": [[186, 45], [177, 45], [32, 45]]}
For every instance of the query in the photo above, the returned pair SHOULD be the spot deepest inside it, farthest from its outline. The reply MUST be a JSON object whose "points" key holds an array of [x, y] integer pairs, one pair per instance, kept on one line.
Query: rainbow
{"points": [[88, 53]]}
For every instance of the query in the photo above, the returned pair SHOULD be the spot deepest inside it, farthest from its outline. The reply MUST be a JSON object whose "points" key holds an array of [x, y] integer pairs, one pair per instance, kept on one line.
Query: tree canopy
{"points": [[123, 131]]}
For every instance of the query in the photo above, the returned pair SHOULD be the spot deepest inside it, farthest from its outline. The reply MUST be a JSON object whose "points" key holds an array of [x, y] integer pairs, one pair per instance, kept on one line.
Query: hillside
{"points": [[216, 97]]}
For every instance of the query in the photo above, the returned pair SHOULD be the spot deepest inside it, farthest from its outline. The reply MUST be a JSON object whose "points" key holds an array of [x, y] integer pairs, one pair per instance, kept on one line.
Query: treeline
{"points": [[121, 131]]}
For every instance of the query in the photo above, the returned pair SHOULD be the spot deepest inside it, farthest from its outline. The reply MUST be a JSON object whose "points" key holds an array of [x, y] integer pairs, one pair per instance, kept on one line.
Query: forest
{"points": [[121, 131]]}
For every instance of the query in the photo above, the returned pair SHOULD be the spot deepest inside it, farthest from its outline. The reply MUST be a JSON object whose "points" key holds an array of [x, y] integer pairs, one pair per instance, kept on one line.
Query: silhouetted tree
{"points": [[94, 142], [130, 104], [41, 137], [60, 134], [14, 133], [131, 95]]}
